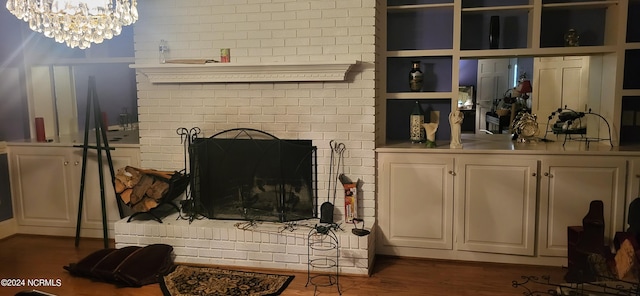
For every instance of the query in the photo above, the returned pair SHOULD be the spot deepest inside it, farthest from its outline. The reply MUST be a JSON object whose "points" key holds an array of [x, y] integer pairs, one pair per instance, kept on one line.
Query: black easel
{"points": [[101, 137]]}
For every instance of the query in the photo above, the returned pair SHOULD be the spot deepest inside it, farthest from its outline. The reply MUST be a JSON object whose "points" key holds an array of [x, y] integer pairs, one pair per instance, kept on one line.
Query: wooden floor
{"points": [[41, 257]]}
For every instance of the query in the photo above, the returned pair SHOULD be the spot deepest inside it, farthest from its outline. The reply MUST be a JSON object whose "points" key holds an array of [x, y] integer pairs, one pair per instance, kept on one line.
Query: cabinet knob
{"points": [[452, 173], [66, 163], [533, 174], [546, 174], [76, 163]]}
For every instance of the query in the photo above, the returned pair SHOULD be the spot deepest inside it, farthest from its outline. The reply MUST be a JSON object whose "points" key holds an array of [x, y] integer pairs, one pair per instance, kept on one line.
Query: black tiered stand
{"points": [[322, 241]]}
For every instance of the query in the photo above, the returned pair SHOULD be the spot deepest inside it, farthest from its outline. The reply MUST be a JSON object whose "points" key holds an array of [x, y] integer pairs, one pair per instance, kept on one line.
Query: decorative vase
{"points": [[417, 133], [494, 32], [415, 77], [431, 128]]}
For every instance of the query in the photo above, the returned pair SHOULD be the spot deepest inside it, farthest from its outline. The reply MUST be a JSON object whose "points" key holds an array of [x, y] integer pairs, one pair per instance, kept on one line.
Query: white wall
{"points": [[261, 31]]}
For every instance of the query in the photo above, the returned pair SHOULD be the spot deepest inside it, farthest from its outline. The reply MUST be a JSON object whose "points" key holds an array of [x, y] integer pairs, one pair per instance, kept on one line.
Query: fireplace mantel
{"points": [[233, 72]]}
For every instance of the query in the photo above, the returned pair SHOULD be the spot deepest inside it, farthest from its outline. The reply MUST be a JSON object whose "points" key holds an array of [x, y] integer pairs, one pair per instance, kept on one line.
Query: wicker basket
{"points": [[503, 112]]}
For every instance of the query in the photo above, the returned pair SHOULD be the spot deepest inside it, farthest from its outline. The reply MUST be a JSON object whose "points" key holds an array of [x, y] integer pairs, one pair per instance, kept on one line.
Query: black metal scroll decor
{"points": [[187, 137], [566, 119]]}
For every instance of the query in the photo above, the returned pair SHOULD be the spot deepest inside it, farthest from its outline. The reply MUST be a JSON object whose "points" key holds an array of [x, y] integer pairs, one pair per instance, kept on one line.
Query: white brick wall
{"points": [[220, 242], [260, 31]]}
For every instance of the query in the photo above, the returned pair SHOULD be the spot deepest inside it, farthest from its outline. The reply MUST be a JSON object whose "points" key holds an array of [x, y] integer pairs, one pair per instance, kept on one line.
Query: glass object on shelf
{"points": [[571, 38], [417, 132], [163, 48], [513, 29], [415, 77], [494, 32]]}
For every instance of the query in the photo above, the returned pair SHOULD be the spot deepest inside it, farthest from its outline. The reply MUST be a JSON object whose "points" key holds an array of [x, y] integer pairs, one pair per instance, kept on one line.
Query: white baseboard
{"points": [[8, 228]]}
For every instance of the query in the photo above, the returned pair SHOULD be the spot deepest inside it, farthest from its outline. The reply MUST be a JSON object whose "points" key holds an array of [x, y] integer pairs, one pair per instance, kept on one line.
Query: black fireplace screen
{"points": [[245, 174]]}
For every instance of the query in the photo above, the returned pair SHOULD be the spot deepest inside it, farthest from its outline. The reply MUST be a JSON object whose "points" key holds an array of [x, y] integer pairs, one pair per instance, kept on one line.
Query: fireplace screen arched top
{"points": [[247, 174]]}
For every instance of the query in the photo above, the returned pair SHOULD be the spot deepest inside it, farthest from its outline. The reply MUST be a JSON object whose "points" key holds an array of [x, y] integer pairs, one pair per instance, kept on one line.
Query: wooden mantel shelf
{"points": [[232, 72]]}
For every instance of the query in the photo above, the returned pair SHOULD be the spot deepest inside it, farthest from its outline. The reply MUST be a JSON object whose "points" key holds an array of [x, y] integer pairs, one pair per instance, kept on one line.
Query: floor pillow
{"points": [[131, 266]]}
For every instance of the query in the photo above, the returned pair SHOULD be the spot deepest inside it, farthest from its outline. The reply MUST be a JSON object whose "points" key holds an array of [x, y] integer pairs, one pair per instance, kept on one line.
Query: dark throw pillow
{"points": [[129, 266]]}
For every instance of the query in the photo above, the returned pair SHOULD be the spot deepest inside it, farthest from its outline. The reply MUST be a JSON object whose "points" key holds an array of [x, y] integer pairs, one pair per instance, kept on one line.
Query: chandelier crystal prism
{"points": [[78, 23]]}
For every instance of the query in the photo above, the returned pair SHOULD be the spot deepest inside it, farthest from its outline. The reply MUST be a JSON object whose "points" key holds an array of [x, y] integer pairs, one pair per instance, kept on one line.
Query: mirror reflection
{"points": [[59, 95], [538, 85]]}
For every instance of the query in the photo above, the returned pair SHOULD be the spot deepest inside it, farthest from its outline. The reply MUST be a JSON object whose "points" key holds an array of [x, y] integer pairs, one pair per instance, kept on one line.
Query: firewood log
{"points": [[162, 174], [158, 189], [141, 188], [119, 186], [150, 203], [125, 195]]}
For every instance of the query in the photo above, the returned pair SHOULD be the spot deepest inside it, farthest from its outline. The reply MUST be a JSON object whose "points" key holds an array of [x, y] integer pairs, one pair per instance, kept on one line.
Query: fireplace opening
{"points": [[247, 174]]}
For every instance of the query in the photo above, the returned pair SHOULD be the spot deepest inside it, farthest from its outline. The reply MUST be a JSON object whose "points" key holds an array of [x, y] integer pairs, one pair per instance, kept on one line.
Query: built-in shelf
{"points": [[419, 95], [232, 72], [496, 8], [547, 51], [412, 7]]}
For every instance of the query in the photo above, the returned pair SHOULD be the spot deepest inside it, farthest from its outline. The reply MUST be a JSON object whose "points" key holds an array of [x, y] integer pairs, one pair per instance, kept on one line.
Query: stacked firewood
{"points": [[142, 189]]}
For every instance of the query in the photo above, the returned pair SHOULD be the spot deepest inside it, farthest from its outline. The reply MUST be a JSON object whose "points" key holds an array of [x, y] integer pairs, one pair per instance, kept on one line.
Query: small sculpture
{"points": [[431, 129], [572, 38], [455, 120]]}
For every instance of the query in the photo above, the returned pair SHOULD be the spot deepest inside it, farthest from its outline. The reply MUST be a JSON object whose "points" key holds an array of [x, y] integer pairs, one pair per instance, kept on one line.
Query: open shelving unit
{"points": [[440, 33]]}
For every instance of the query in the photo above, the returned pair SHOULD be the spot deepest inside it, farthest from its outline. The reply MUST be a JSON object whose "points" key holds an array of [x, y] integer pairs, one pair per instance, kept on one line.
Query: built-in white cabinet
{"points": [[496, 204], [568, 184], [45, 183], [415, 201], [512, 208]]}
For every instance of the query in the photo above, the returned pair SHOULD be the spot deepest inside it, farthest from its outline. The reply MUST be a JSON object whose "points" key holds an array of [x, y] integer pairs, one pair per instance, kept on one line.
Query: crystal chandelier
{"points": [[78, 23]]}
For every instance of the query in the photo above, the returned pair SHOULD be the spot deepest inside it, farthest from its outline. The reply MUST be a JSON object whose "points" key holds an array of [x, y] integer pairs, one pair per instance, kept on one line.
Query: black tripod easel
{"points": [[101, 138]]}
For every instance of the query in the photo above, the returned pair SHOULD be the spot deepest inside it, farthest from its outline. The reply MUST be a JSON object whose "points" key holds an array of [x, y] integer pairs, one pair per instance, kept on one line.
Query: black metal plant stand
{"points": [[101, 137], [322, 242]]}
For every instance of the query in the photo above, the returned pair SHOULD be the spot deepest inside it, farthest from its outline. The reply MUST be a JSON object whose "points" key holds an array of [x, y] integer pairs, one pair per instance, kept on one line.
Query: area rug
{"points": [[209, 281]]}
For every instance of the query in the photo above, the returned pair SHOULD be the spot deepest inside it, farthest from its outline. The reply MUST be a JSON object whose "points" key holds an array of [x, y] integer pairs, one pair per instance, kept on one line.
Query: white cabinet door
{"points": [[415, 201], [493, 81], [567, 187], [92, 205], [496, 204], [42, 188]]}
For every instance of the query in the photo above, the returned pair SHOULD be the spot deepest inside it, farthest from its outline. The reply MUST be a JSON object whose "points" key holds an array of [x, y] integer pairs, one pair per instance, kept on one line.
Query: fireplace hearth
{"points": [[248, 174]]}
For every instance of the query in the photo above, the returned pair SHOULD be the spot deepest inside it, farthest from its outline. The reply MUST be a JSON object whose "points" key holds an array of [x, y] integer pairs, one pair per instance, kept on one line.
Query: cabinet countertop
{"points": [[122, 139], [502, 144]]}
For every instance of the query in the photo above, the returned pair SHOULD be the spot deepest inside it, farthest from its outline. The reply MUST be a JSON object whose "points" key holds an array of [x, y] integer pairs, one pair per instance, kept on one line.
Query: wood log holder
{"points": [[177, 184]]}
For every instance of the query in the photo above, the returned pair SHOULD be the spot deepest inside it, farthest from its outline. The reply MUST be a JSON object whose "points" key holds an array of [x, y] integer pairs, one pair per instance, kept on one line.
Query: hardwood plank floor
{"points": [[35, 257]]}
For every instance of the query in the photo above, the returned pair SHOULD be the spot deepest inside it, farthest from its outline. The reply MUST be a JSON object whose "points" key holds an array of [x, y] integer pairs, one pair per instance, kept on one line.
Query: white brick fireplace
{"points": [[258, 32]]}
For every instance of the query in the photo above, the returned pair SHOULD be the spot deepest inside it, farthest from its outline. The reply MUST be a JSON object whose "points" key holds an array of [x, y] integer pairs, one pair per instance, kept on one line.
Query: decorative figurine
{"points": [[431, 129], [571, 38], [455, 120]]}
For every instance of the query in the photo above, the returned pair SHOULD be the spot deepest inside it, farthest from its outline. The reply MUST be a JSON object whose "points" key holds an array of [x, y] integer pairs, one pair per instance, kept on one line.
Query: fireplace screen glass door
{"points": [[253, 179]]}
